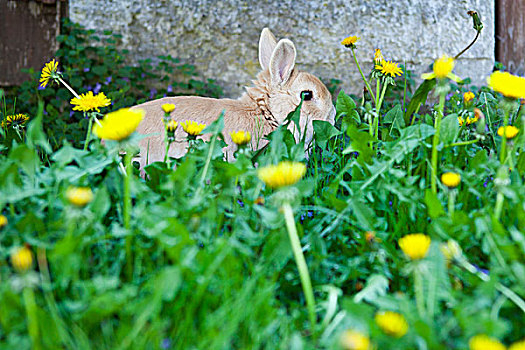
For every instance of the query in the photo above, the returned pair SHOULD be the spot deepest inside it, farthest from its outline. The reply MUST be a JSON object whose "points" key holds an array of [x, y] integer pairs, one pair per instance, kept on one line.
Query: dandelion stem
{"points": [[127, 213], [301, 263], [418, 291], [463, 143], [468, 47], [32, 320], [499, 205], [362, 75], [379, 103], [88, 135], [451, 202], [378, 88], [68, 87], [503, 150], [435, 143]]}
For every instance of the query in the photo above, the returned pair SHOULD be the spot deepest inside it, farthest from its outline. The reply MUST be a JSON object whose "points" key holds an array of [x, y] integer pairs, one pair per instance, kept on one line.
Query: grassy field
{"points": [[403, 229]]}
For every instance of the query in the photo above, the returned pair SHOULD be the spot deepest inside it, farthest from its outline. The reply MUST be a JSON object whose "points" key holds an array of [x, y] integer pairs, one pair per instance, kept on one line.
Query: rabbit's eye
{"points": [[307, 95]]}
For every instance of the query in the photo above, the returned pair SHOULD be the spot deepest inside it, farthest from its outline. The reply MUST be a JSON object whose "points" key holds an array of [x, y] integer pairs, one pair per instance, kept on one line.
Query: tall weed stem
{"points": [[435, 143], [127, 212], [301, 263], [367, 84]]}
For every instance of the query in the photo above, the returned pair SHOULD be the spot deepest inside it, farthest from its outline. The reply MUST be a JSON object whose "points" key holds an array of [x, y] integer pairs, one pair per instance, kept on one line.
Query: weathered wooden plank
{"points": [[510, 34], [28, 31]]}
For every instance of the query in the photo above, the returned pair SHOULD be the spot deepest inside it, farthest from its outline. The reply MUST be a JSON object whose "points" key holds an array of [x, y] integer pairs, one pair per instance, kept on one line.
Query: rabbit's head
{"points": [[284, 86]]}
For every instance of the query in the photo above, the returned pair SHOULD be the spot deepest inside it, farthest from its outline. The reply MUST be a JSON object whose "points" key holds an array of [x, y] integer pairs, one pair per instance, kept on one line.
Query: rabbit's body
{"points": [[261, 109]]}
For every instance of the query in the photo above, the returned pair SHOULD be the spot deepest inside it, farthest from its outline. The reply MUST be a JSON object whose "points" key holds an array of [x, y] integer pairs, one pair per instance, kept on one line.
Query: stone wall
{"points": [[221, 37]]}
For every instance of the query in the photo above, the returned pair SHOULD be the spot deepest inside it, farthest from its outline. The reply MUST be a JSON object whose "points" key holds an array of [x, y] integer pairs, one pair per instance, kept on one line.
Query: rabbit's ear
{"points": [[282, 62], [267, 44]]}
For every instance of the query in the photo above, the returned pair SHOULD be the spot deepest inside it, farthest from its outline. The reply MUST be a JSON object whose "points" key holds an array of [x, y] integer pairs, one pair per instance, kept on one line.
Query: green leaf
{"points": [[324, 131], [35, 132], [359, 142], [344, 104], [434, 206], [480, 159], [419, 98], [449, 128], [365, 216], [395, 117], [521, 163]]}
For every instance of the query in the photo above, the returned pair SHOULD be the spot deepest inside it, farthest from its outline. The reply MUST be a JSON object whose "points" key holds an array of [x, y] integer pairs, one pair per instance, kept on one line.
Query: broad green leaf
{"points": [[344, 104], [419, 98], [434, 206], [324, 131], [449, 129]]}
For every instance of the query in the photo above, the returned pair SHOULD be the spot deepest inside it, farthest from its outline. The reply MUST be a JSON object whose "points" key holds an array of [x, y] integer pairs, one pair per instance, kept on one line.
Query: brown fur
{"points": [[276, 92]]}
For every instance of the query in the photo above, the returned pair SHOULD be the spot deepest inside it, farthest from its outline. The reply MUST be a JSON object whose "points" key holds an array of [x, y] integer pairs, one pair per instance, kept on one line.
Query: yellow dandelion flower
{"points": [[468, 96], [442, 69], [168, 107], [475, 118], [353, 340], [192, 128], [415, 245], [518, 345], [484, 342], [392, 323], [507, 84], [87, 102], [79, 196], [172, 125], [283, 174], [49, 72], [451, 180], [3, 221], [14, 120], [510, 131], [350, 41], [378, 57], [22, 259], [388, 67], [118, 125], [470, 120], [241, 137]]}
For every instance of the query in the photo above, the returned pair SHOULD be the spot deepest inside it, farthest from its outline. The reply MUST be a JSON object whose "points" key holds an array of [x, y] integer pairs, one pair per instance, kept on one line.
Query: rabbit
{"points": [[261, 109]]}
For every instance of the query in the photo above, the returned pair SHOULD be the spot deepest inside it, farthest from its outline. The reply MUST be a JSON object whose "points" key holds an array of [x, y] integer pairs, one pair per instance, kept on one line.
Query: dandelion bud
{"points": [[3, 221], [378, 57], [451, 250], [79, 196], [22, 259], [171, 126], [476, 21]]}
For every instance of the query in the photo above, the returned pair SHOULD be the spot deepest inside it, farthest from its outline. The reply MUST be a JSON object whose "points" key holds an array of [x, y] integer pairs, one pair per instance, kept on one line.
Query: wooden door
{"points": [[510, 34], [28, 30]]}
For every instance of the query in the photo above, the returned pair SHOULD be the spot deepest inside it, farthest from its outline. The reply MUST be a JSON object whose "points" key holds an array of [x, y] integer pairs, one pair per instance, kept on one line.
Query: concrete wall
{"points": [[221, 37]]}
